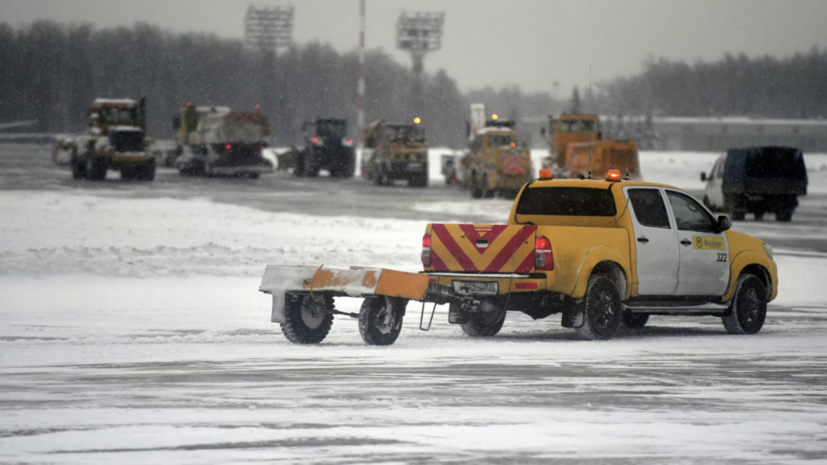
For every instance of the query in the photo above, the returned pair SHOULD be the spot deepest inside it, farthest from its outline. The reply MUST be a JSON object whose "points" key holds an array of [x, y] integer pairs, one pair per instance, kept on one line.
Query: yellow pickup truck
{"points": [[600, 252]]}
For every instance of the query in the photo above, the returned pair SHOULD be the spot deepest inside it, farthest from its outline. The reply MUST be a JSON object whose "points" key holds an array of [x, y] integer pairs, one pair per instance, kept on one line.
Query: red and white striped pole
{"points": [[360, 115]]}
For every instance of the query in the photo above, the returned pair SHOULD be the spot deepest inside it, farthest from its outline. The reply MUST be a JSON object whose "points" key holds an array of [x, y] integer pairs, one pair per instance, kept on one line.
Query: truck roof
{"points": [[595, 183], [115, 102], [490, 129]]}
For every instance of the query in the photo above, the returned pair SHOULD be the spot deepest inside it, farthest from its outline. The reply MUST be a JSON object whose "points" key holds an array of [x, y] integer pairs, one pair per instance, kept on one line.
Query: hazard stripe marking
{"points": [[527, 265], [437, 263], [509, 250], [453, 248]]}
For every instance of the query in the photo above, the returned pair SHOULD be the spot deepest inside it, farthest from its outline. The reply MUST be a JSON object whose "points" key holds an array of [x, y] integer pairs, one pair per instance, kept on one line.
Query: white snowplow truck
{"points": [[116, 141], [216, 141]]}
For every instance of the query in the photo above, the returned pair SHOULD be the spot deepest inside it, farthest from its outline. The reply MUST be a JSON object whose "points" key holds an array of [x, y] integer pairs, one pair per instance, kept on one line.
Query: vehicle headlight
{"points": [[768, 249]]}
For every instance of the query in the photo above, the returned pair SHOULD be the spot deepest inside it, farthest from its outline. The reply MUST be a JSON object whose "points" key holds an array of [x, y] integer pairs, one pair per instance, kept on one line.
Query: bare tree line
{"points": [[50, 72]]}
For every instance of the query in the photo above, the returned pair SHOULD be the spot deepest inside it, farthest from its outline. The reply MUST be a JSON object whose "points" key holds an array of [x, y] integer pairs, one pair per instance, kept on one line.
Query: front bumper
{"points": [[241, 170], [117, 160]]}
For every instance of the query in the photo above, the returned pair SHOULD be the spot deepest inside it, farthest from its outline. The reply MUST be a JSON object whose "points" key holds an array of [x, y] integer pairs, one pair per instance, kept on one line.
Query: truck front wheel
{"points": [[748, 307], [307, 321], [601, 308], [380, 320]]}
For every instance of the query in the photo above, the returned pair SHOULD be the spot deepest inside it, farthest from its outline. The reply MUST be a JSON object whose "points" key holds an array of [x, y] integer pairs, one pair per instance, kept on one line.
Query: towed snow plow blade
{"points": [[303, 299]]}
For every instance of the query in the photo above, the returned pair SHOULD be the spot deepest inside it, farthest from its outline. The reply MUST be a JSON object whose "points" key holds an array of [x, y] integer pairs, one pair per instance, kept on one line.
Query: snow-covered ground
{"points": [[131, 331]]}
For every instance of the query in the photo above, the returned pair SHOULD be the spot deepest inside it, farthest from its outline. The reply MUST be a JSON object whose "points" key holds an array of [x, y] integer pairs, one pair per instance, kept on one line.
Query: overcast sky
{"points": [[531, 43]]}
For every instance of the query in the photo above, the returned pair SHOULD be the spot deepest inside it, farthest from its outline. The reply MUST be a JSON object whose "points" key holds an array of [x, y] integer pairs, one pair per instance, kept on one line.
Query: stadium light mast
{"points": [[419, 33], [269, 27]]}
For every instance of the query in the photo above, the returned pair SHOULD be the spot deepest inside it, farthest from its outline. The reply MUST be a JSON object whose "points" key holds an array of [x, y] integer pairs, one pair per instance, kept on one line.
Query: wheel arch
{"points": [[603, 260], [753, 262]]}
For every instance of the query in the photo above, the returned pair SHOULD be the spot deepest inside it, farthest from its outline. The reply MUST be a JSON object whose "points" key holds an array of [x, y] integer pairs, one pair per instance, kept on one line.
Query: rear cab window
{"points": [[567, 201]]}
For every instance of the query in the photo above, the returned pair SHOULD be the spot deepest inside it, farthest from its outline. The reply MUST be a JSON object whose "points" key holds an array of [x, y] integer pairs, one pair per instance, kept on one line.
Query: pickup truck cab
{"points": [[603, 253]]}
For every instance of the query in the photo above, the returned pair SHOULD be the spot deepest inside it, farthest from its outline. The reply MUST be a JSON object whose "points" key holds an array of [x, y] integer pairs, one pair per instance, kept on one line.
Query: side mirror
{"points": [[176, 122], [703, 176], [724, 222]]}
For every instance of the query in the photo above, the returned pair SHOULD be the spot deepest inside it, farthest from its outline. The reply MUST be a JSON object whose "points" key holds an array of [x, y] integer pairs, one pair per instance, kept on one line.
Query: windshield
{"points": [[496, 140], [566, 201], [776, 163], [331, 129], [124, 116], [578, 125], [404, 133]]}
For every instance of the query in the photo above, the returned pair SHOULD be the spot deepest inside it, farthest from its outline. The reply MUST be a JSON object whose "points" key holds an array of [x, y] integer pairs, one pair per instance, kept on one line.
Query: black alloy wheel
{"points": [[748, 306], [602, 309]]}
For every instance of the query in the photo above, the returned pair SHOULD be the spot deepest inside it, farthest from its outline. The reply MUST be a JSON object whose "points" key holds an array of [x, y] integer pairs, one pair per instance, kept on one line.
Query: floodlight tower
{"points": [[269, 27], [419, 33]]}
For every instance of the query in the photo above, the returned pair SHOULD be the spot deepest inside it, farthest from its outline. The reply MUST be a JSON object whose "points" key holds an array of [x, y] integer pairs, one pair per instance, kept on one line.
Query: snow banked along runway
{"points": [[132, 332]]}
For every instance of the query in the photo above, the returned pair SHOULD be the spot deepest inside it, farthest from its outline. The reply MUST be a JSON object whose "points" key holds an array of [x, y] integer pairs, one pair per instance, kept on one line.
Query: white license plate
{"points": [[476, 287], [415, 166]]}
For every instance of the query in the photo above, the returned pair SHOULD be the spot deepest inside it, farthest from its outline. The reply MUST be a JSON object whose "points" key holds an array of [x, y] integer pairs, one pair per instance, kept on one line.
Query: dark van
{"points": [[757, 180]]}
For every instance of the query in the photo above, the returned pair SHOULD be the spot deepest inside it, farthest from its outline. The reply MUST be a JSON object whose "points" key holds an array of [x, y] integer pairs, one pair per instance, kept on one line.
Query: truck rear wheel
{"points": [[735, 208], [307, 321], [418, 180], [748, 307], [601, 309], [486, 323], [95, 168], [476, 189], [784, 215], [146, 172], [78, 166], [374, 326], [128, 173], [634, 320]]}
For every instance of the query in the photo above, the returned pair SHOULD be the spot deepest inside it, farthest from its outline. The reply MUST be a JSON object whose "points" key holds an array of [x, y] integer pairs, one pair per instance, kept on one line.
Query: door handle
{"points": [[642, 239], [686, 242]]}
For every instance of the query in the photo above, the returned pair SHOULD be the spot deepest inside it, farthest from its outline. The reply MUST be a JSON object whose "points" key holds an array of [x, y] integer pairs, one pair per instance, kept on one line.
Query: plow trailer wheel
{"points": [[307, 321], [377, 326], [485, 323]]}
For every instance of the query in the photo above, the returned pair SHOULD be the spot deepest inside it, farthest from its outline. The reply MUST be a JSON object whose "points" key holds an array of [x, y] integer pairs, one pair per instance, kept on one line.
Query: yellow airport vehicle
{"points": [[577, 149], [396, 151], [600, 252], [116, 141], [217, 141], [494, 162]]}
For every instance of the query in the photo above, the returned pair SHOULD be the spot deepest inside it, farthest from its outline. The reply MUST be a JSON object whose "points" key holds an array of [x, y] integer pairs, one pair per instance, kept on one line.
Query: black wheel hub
{"points": [[603, 309]]}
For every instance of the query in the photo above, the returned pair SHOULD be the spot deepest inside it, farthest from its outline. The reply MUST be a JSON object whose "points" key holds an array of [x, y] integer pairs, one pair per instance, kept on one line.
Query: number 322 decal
{"points": [[722, 257]]}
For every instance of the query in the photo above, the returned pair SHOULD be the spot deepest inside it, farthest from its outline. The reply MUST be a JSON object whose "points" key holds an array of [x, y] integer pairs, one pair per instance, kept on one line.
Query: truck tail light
{"points": [[543, 259], [426, 250], [228, 146]]}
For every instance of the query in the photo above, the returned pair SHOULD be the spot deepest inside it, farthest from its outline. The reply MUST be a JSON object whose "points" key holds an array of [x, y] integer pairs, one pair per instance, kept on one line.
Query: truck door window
{"points": [[649, 208], [497, 140], [689, 214]]}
